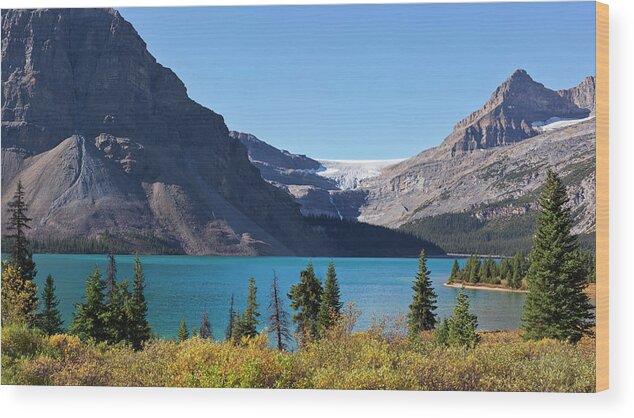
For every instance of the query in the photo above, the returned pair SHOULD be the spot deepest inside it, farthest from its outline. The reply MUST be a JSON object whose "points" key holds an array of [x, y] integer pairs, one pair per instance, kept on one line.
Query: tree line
{"points": [[511, 272]]}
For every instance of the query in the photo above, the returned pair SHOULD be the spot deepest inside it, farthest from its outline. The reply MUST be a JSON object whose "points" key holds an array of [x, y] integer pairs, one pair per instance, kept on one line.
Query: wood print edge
{"points": [[602, 197]]}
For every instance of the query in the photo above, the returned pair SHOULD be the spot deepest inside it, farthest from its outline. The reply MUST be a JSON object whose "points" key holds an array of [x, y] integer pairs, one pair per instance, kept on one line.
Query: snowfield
{"points": [[348, 173], [556, 123]]}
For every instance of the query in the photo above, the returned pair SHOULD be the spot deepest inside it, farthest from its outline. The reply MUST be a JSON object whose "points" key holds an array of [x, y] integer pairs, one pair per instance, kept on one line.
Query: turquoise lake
{"points": [[180, 287]]}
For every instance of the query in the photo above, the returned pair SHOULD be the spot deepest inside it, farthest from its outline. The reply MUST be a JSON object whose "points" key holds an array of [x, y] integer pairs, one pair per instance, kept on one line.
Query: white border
{"points": [[618, 401]]}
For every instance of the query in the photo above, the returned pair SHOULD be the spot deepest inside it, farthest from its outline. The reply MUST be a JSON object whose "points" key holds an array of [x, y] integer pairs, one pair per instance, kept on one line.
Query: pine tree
{"points": [[441, 334], [237, 328], [249, 320], [205, 327], [50, 318], [278, 317], [305, 299], [331, 305], [516, 280], [455, 272], [111, 275], [18, 304], [421, 316], [139, 328], [89, 317], [119, 313], [183, 333], [504, 271], [194, 332], [230, 324], [20, 253], [556, 305], [462, 325], [474, 272]]}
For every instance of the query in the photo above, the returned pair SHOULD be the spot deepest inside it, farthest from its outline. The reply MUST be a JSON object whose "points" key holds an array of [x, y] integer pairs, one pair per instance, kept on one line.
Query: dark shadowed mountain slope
{"points": [[107, 142]]}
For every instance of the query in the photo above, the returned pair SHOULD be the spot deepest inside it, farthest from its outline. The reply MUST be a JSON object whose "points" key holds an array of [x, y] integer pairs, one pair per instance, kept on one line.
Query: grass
{"points": [[376, 359]]}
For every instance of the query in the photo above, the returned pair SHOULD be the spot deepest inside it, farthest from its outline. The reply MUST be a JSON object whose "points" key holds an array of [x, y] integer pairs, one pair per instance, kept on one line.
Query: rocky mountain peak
{"points": [[508, 116]]}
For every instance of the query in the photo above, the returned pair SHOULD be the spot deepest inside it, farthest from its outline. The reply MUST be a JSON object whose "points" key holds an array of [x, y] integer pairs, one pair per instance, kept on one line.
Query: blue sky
{"points": [[363, 81]]}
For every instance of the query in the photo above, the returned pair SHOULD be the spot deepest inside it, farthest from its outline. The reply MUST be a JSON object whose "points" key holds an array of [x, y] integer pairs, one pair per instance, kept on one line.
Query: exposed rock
{"points": [[582, 95], [434, 183], [261, 152], [508, 115]]}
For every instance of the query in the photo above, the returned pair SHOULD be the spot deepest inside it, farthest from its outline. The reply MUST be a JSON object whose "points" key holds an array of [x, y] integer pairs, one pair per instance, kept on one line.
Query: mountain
{"points": [[477, 191], [481, 195], [109, 146], [508, 116]]}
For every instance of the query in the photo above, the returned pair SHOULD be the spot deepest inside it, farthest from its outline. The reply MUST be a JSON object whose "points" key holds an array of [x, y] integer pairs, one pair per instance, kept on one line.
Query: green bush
{"points": [[19, 341]]}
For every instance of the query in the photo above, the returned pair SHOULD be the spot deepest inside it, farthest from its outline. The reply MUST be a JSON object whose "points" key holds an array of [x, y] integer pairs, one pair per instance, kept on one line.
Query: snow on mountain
{"points": [[348, 173], [556, 123]]}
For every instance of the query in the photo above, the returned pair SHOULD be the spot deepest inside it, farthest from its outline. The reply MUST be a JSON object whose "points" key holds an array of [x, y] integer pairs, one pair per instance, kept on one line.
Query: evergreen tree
{"points": [[50, 318], [504, 270], [230, 325], [249, 320], [205, 327], [455, 272], [111, 275], [516, 280], [556, 305], [486, 270], [237, 328], [496, 269], [463, 324], [278, 318], [441, 334], [88, 318], [119, 312], [331, 305], [194, 332], [183, 333], [20, 254], [139, 328], [474, 272], [305, 299], [421, 316], [18, 303]]}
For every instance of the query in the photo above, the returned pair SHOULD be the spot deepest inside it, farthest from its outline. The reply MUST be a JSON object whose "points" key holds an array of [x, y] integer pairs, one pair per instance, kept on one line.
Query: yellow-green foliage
{"points": [[18, 300], [367, 360]]}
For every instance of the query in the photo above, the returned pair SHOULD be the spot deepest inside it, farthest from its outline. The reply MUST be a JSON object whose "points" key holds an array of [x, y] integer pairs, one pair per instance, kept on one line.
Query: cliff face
{"points": [[582, 95], [86, 107]]}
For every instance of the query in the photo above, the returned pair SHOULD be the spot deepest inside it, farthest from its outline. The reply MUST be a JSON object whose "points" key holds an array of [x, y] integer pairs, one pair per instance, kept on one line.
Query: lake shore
{"points": [[590, 290], [496, 288]]}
